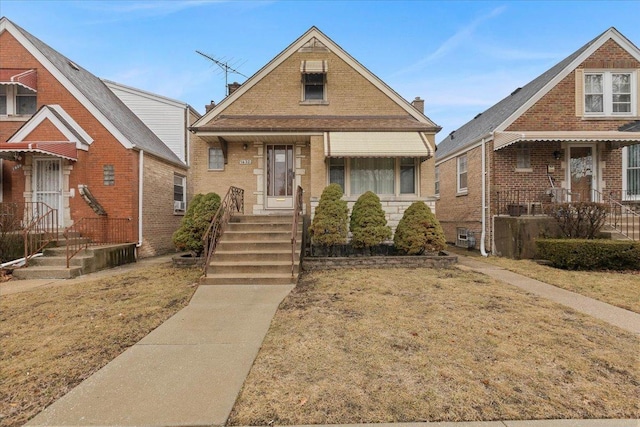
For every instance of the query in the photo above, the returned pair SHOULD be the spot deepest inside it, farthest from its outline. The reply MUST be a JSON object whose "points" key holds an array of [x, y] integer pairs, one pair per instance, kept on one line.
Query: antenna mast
{"points": [[224, 65]]}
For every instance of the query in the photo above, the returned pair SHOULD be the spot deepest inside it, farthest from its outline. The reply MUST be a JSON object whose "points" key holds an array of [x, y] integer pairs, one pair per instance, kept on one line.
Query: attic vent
{"points": [[515, 91], [477, 115], [452, 134], [74, 66]]}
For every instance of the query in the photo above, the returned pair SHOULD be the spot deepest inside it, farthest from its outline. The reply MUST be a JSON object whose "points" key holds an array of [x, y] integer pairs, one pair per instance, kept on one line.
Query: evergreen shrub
{"points": [[195, 222], [590, 254], [329, 225], [368, 222], [419, 231]]}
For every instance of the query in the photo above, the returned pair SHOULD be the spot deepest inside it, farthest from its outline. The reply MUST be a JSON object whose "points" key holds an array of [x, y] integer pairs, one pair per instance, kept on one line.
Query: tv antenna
{"points": [[225, 67]]}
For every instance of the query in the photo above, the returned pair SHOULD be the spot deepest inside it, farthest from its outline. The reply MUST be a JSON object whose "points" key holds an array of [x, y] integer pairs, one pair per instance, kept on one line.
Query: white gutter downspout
{"points": [[483, 235], [140, 192]]}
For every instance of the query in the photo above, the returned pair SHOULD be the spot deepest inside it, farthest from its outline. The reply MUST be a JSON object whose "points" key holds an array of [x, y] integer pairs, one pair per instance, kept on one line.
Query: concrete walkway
{"points": [[187, 372], [625, 319]]}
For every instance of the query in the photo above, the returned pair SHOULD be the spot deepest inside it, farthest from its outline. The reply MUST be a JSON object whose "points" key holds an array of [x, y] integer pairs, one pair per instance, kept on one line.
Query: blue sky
{"points": [[460, 56]]}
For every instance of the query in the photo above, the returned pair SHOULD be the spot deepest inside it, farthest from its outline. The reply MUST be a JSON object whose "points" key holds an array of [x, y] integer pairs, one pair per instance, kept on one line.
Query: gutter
{"points": [[140, 193], [483, 235]]}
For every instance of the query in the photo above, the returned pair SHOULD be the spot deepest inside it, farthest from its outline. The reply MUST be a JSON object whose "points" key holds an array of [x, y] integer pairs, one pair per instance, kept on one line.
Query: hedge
{"points": [[590, 254]]}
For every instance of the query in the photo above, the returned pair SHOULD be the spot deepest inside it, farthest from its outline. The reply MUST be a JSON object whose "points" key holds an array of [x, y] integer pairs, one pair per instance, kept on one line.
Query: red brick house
{"points": [[567, 135], [66, 140]]}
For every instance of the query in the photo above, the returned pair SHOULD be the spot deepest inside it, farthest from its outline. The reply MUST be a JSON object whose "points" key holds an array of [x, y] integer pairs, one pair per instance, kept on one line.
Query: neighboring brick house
{"points": [[313, 116], [63, 132], [558, 138]]}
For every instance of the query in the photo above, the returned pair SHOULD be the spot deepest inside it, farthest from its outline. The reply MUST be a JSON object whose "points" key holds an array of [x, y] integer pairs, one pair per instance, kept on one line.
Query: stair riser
{"points": [[212, 280], [253, 246], [238, 236], [241, 270], [268, 219], [57, 261], [73, 241], [221, 256], [26, 273], [249, 227], [61, 252]]}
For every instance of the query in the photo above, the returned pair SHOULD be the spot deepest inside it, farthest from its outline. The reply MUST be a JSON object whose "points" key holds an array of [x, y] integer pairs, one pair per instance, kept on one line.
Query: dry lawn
{"points": [[377, 346], [53, 338], [619, 288]]}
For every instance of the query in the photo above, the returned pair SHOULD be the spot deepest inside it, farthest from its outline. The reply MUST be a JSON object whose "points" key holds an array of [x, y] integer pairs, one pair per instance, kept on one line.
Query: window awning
{"points": [[620, 139], [313, 67], [65, 150], [25, 78], [376, 144]]}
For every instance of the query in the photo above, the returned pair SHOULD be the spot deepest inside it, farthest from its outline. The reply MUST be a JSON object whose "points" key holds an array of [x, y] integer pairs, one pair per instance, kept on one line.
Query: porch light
{"points": [[244, 147], [556, 155]]}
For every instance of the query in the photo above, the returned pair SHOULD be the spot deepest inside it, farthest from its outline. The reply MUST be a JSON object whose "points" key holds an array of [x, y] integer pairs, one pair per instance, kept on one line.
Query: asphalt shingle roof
{"points": [[631, 127], [106, 102]]}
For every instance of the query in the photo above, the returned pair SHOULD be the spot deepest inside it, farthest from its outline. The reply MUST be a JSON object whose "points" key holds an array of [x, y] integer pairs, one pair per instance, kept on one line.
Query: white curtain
{"points": [[372, 174]]}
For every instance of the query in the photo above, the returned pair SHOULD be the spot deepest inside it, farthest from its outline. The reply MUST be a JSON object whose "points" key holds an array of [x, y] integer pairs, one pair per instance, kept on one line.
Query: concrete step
{"points": [[251, 267], [269, 219], [46, 272], [61, 261], [273, 255], [60, 251], [262, 226], [74, 241], [249, 279], [255, 245], [238, 236]]}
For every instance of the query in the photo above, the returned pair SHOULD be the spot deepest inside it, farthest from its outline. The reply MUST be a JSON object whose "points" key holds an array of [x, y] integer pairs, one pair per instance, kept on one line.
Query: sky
{"points": [[461, 57]]}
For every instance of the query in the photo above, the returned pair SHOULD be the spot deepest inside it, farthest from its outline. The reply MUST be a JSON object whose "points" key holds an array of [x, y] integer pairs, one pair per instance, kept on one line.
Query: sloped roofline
{"points": [[150, 95], [65, 124], [612, 33], [335, 48]]}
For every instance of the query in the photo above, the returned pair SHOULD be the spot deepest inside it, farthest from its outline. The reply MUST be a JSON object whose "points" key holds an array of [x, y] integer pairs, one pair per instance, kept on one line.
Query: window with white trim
{"points": [[16, 100], [314, 86], [610, 93], [216, 159], [179, 193], [381, 175], [437, 181], [523, 155], [462, 174], [631, 172]]}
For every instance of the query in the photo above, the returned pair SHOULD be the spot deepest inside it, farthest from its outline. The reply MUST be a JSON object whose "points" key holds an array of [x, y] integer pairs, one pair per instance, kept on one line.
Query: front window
{"points": [[17, 100], [437, 180], [383, 176], [609, 93], [462, 174], [631, 172], [216, 159], [179, 193], [314, 84], [523, 156]]}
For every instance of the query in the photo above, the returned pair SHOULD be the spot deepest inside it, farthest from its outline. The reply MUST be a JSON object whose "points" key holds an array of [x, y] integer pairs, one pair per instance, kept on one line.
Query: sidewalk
{"points": [[625, 319]]}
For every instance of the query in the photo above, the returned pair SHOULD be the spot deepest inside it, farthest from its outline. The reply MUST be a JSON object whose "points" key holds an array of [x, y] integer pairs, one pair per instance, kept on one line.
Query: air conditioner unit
{"points": [[178, 206]]}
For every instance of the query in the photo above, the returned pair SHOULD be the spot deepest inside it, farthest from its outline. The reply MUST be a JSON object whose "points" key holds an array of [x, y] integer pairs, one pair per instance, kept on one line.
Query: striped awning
{"points": [[377, 144], [504, 139], [22, 77], [311, 67], [65, 150]]}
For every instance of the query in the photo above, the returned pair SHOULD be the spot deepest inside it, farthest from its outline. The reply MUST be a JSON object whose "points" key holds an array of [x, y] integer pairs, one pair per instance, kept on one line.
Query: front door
{"points": [[582, 172], [280, 176], [47, 184]]}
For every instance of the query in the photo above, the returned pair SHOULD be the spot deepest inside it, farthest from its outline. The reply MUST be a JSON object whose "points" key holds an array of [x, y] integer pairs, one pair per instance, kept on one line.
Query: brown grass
{"points": [[53, 338], [374, 346], [619, 288]]}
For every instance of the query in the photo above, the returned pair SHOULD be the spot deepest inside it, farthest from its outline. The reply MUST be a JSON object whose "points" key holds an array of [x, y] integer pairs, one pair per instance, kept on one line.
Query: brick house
{"points": [[313, 116], [66, 140], [565, 136]]}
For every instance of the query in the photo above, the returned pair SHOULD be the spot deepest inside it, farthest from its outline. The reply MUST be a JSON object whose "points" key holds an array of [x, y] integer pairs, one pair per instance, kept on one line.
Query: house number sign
{"points": [[245, 161]]}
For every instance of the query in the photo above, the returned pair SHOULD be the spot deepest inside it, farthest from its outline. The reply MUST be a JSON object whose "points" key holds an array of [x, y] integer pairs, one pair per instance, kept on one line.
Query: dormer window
{"points": [[314, 81]]}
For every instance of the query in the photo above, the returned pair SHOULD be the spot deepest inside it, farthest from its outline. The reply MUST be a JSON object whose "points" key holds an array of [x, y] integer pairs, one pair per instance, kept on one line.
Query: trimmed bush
{"points": [[195, 222], [368, 222], [329, 225], [590, 254], [579, 220], [419, 231]]}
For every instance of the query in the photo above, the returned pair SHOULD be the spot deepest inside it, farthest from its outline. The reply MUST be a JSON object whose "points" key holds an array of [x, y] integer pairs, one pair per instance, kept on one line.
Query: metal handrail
{"points": [[233, 202], [40, 228], [297, 212], [102, 230], [620, 217]]}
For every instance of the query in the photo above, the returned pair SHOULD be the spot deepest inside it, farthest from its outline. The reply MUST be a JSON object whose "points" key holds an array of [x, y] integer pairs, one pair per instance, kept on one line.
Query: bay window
{"points": [[381, 175]]}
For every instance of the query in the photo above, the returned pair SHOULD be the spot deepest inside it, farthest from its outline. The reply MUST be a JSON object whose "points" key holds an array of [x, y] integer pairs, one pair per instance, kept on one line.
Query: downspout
{"points": [[483, 235], [140, 193]]}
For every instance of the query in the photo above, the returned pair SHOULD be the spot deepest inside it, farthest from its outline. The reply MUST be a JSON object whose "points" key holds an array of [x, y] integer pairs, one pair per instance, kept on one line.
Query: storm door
{"points": [[47, 186], [582, 173], [280, 176]]}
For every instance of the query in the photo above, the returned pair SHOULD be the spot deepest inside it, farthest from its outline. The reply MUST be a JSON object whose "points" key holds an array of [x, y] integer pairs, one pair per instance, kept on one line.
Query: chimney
{"points": [[418, 104], [209, 107], [233, 87]]}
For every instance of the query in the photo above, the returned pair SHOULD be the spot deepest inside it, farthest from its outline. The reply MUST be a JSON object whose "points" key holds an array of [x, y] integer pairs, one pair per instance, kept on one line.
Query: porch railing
{"points": [[297, 212], [620, 217], [40, 228], [233, 202], [535, 201], [98, 231]]}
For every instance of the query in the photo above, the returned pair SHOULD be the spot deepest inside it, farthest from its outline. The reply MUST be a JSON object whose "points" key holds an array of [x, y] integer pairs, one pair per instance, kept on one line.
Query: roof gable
{"points": [[93, 94], [314, 41], [501, 115]]}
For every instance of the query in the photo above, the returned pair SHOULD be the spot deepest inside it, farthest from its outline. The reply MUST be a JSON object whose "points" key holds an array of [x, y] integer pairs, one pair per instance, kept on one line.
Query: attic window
{"points": [[314, 81]]}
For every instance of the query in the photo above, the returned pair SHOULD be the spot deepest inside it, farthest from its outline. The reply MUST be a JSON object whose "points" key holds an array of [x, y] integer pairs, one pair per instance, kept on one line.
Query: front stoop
{"points": [[53, 262], [255, 250]]}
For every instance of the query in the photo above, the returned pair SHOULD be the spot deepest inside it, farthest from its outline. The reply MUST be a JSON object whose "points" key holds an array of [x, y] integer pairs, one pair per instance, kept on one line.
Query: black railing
{"points": [[95, 232], [620, 217], [233, 202], [297, 212]]}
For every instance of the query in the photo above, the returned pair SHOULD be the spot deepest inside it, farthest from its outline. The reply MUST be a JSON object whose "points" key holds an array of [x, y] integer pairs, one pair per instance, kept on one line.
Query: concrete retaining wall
{"points": [[332, 263]]}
